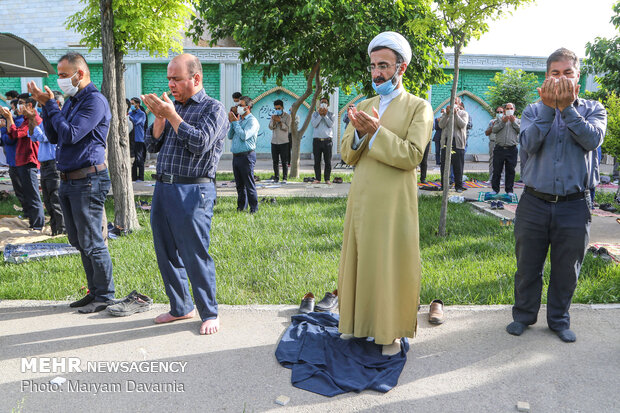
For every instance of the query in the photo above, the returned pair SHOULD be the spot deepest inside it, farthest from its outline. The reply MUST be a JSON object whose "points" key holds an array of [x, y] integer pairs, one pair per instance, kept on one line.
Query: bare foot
{"points": [[346, 336], [316, 182], [167, 317], [210, 326], [328, 182], [391, 349]]}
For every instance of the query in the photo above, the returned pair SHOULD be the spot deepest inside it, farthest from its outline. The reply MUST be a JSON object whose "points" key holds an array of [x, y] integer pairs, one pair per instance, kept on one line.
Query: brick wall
{"points": [[10, 83], [154, 79], [252, 83]]}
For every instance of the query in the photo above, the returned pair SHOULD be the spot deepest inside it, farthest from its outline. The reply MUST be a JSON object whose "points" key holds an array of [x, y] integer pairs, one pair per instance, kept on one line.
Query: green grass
{"points": [[345, 174], [293, 247]]}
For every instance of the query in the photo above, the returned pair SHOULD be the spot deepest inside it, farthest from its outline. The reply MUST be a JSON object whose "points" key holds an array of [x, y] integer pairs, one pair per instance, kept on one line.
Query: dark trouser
{"points": [[279, 153], [322, 148], [50, 182], [437, 152], [424, 163], [457, 162], [185, 254], [504, 156], [33, 207], [82, 202], [137, 168], [17, 184], [565, 226], [243, 169]]}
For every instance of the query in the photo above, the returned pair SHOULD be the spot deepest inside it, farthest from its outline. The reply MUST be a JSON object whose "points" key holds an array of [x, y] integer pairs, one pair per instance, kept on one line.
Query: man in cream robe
{"points": [[379, 274]]}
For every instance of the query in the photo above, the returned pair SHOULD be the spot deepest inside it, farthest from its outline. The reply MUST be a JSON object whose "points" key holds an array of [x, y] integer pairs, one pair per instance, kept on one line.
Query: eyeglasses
{"points": [[381, 67]]}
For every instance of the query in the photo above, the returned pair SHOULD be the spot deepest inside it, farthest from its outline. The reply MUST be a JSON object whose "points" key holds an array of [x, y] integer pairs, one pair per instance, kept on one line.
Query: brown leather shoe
{"points": [[435, 312]]}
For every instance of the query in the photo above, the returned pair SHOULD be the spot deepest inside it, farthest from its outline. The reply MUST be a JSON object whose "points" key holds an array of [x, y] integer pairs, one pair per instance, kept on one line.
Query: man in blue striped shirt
{"points": [[188, 135]]}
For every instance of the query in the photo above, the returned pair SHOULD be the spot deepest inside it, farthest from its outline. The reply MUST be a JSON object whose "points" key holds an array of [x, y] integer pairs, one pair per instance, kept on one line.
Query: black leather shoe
{"points": [[87, 299], [307, 304], [328, 303]]}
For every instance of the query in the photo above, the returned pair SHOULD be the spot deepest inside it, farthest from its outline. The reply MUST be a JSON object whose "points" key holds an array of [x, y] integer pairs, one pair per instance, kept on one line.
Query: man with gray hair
{"points": [[557, 135], [188, 135]]}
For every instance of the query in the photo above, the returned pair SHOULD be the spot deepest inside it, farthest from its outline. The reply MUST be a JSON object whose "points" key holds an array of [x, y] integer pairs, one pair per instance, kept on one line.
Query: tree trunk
{"points": [[297, 134], [124, 203], [446, 166]]}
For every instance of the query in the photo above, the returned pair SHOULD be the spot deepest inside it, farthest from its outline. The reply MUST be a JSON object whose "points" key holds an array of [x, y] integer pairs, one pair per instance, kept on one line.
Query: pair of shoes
{"points": [[133, 303], [265, 200], [328, 303], [337, 180], [607, 207], [435, 312], [87, 299], [309, 179], [601, 253], [95, 306], [307, 304]]}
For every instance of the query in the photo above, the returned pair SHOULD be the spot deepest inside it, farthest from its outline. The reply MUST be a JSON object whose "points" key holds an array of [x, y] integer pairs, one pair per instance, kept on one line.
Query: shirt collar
{"points": [[196, 97], [88, 89], [393, 94]]}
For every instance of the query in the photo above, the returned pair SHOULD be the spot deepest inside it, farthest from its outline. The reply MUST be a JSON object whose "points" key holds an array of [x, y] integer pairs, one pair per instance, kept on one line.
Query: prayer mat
{"points": [[487, 196], [16, 254], [323, 363], [15, 231]]}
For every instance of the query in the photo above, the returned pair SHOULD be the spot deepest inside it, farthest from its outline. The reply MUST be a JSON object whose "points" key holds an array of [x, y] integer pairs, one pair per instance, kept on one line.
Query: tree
{"points": [[326, 40], [604, 57], [514, 86], [462, 22], [118, 26]]}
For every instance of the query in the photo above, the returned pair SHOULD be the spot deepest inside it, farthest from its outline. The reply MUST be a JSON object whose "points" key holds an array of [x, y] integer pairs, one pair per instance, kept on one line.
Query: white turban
{"points": [[394, 41]]}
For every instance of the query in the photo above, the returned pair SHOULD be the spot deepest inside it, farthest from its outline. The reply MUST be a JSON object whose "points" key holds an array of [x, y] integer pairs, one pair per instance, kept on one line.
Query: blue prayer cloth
{"points": [[323, 363]]}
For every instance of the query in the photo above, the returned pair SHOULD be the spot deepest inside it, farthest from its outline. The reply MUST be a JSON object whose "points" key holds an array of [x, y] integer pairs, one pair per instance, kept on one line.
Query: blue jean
{"points": [[539, 225], [181, 222], [82, 202], [243, 169], [33, 207]]}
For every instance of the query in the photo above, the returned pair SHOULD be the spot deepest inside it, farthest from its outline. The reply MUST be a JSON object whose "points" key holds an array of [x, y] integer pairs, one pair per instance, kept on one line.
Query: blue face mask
{"points": [[387, 87], [132, 108], [278, 112]]}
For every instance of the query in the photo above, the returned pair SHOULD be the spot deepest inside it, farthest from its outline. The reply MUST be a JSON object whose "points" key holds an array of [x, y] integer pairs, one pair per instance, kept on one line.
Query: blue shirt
{"points": [[244, 133], [322, 125], [196, 149], [47, 150], [10, 145], [80, 129], [138, 118], [556, 145]]}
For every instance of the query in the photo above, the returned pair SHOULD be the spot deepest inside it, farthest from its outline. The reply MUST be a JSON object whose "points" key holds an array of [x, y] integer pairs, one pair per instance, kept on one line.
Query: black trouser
{"points": [[424, 163], [457, 162], [437, 152], [50, 182], [33, 207], [504, 155], [322, 147], [137, 168], [243, 169], [290, 148], [563, 226], [279, 153], [17, 184]]}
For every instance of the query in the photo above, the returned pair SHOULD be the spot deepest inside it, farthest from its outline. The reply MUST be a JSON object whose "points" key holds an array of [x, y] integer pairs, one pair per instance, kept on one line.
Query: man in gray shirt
{"points": [[459, 141], [322, 122], [557, 135], [499, 113], [280, 124], [505, 153]]}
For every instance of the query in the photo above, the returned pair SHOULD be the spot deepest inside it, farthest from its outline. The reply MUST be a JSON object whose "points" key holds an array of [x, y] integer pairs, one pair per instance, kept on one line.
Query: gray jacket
{"points": [[460, 129], [507, 133]]}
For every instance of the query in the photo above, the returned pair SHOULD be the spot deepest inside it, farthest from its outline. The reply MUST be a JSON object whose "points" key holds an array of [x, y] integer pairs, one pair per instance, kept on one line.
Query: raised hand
{"points": [[547, 93], [567, 92], [37, 94]]}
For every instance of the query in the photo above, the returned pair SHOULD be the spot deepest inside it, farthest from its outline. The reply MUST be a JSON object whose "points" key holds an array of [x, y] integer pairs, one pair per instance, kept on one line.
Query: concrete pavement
{"points": [[468, 364]]}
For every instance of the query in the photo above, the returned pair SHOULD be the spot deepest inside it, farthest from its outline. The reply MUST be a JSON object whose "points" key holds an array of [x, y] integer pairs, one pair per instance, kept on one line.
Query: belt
{"points": [[82, 173], [242, 153], [506, 147], [323, 139], [176, 179], [50, 161], [554, 198]]}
